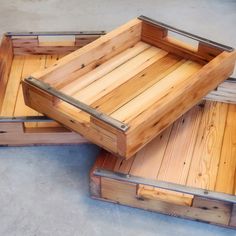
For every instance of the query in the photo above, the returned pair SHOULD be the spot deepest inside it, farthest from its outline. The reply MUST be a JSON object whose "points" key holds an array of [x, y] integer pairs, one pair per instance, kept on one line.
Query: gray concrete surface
{"points": [[44, 190]]}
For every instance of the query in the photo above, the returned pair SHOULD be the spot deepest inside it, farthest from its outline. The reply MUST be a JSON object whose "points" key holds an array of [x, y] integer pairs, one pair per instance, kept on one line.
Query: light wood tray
{"points": [[123, 89], [196, 159], [20, 55]]}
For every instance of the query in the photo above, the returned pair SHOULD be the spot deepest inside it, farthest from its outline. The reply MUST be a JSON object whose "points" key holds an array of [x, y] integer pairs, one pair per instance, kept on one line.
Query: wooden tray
{"points": [[20, 55], [188, 171], [123, 89]]}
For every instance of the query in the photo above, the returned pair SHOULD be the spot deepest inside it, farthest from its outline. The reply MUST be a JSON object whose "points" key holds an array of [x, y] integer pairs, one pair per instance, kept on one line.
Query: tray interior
{"points": [[32, 52], [198, 150], [128, 83], [13, 102]]}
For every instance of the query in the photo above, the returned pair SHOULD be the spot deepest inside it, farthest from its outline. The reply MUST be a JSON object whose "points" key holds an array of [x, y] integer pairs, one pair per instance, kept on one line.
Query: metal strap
{"points": [[184, 33], [166, 185], [76, 103], [15, 119], [55, 33]]}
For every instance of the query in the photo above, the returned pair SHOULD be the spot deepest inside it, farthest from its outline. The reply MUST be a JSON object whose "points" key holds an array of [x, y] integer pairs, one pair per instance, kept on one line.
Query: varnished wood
{"points": [[13, 69], [6, 57], [197, 150], [130, 76]]}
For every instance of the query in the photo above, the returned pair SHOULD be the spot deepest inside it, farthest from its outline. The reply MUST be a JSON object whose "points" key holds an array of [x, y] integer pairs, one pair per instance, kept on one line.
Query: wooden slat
{"points": [[157, 117], [159, 90], [136, 85], [6, 57], [32, 63], [178, 155], [119, 76], [44, 103], [32, 45], [12, 88], [109, 45], [225, 181], [206, 156], [126, 194], [14, 134], [50, 60], [104, 69], [148, 160], [151, 35]]}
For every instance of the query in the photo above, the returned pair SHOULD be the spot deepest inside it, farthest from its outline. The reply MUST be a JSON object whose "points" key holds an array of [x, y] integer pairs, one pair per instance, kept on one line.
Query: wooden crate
{"points": [[126, 87], [189, 170], [20, 55]]}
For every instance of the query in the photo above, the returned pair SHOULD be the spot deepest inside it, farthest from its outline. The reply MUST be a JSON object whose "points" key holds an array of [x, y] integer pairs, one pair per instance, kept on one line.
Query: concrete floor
{"points": [[44, 190]]}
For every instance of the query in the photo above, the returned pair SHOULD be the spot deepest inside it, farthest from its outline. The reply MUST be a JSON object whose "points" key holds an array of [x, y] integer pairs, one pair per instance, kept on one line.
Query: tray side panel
{"points": [[31, 45], [44, 103], [126, 194], [15, 134], [92, 54], [6, 57], [145, 126]]}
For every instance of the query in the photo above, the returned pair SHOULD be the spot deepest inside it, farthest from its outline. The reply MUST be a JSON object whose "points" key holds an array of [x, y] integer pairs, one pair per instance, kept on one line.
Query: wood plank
{"points": [[6, 57], [126, 194], [12, 88], [14, 134], [32, 63], [110, 45], [122, 165], [45, 106], [225, 181], [151, 35], [148, 160], [157, 117], [136, 85], [49, 61], [178, 155], [103, 69], [119, 75], [155, 93], [206, 156], [32, 45]]}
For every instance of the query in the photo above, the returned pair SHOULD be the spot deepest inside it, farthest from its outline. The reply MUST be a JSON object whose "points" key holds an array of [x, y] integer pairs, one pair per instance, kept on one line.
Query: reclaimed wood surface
{"points": [[6, 56], [19, 57], [198, 150], [138, 75]]}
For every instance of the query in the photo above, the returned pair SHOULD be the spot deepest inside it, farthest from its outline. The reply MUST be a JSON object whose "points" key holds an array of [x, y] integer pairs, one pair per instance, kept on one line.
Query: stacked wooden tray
{"points": [[126, 87], [188, 171], [120, 92], [20, 55]]}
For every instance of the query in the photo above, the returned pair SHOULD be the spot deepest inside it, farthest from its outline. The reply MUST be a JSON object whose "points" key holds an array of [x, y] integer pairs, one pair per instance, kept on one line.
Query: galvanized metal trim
{"points": [[17, 119], [166, 185], [55, 33], [187, 34], [76, 103]]}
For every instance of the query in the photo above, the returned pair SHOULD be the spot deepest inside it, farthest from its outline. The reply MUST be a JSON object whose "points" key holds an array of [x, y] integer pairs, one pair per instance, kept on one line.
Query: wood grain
{"points": [[6, 57], [225, 181], [206, 156]]}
